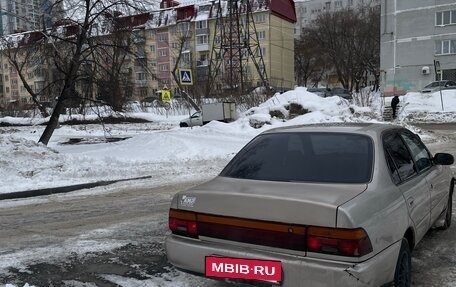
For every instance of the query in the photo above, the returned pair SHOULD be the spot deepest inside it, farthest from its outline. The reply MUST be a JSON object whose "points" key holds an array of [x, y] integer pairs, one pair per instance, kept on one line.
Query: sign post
{"points": [[438, 78]]}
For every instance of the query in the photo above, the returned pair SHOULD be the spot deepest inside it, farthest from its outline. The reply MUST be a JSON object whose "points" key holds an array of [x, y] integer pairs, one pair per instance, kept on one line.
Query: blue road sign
{"points": [[185, 77]]}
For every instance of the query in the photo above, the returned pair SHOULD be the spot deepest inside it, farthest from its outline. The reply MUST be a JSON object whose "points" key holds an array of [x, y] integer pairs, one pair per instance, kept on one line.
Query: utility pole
{"points": [[235, 49]]}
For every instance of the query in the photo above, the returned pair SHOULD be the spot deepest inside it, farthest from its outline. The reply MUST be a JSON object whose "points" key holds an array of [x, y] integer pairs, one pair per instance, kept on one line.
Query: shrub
{"points": [[277, 114], [297, 110]]}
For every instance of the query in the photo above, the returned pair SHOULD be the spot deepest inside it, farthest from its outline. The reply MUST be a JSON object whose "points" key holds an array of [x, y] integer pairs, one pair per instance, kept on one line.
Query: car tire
{"points": [[183, 125], [402, 275], [449, 211]]}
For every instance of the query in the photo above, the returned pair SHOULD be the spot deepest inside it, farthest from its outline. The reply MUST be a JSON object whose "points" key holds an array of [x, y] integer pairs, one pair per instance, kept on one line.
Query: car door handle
{"points": [[410, 201]]}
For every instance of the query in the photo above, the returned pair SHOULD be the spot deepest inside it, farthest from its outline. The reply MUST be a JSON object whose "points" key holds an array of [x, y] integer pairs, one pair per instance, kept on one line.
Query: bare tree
{"points": [[73, 52], [183, 36], [348, 41], [309, 63], [108, 65], [25, 59], [369, 48]]}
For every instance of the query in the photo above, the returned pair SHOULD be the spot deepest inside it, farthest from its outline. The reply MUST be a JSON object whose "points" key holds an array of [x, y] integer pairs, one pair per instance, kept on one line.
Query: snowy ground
{"points": [[27, 165], [162, 148]]}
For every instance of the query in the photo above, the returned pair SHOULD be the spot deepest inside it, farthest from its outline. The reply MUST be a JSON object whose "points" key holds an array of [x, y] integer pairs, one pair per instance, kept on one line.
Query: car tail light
{"points": [[258, 232], [337, 241], [183, 223]]}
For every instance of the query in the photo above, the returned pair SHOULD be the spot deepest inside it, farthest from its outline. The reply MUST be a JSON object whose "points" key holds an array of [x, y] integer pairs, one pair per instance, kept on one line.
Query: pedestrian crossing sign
{"points": [[185, 77], [166, 96]]}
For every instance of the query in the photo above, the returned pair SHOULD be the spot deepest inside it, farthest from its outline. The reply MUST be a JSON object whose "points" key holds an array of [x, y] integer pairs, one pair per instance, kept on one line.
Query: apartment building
{"points": [[27, 15], [181, 36], [308, 10], [414, 34]]}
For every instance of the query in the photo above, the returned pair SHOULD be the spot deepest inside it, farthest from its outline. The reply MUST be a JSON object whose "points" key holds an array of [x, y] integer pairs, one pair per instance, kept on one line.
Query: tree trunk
{"points": [[53, 122]]}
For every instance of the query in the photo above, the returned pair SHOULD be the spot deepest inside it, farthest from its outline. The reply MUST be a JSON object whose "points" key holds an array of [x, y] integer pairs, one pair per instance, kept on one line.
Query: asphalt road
{"points": [[68, 240]]}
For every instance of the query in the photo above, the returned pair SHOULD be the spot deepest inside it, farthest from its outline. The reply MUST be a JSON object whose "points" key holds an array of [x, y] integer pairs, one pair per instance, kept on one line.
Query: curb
{"points": [[62, 189]]}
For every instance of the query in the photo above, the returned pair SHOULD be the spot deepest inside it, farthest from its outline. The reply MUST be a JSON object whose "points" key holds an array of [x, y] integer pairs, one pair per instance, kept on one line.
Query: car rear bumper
{"points": [[189, 255]]}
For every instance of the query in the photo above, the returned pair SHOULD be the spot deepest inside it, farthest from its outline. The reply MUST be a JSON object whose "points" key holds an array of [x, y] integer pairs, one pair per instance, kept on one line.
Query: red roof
{"points": [[185, 12], [31, 38], [285, 9], [127, 22]]}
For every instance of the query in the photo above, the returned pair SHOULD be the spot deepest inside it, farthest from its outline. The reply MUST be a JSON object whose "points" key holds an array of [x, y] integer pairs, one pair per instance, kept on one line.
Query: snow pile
{"points": [[308, 108], [163, 150], [147, 147], [431, 102], [427, 107]]}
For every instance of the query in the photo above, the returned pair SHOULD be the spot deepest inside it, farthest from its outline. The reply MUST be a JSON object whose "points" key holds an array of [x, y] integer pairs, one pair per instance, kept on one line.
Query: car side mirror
{"points": [[443, 159]]}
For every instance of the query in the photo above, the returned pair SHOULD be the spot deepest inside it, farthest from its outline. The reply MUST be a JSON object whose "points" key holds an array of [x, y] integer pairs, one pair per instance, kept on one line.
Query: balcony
{"points": [[202, 47], [141, 83], [202, 73], [202, 31], [202, 63]]}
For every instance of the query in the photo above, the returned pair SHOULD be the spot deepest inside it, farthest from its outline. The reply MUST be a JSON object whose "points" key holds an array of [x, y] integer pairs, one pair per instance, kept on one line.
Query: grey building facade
{"points": [[26, 15], [308, 10], [415, 34]]}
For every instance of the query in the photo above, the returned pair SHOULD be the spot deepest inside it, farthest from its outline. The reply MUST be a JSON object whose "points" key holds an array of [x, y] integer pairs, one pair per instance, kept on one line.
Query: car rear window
{"points": [[307, 156]]}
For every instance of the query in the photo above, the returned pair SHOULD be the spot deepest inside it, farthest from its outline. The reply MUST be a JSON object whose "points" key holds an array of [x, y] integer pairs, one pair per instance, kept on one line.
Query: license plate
{"points": [[247, 269]]}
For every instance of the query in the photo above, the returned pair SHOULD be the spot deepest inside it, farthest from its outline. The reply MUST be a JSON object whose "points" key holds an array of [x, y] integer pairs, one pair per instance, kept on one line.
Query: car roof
{"points": [[362, 128]]}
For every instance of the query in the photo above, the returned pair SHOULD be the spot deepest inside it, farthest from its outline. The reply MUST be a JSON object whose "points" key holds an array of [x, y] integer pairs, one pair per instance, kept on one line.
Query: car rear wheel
{"points": [[183, 125], [449, 212], [402, 275]]}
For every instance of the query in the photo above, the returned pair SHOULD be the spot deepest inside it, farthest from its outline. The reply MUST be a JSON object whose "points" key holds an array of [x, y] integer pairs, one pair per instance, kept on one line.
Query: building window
{"points": [[140, 76], [143, 92], [186, 57], [445, 18], [328, 5], [261, 35], [201, 24], [152, 48], [162, 37], [39, 86], [163, 68], [350, 2], [6, 78], [244, 53], [445, 47], [183, 27], [163, 52], [260, 18], [338, 4], [202, 39], [260, 52]]}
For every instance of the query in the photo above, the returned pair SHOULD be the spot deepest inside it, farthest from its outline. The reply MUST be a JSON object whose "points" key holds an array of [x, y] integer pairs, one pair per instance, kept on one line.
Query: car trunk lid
{"points": [[286, 202]]}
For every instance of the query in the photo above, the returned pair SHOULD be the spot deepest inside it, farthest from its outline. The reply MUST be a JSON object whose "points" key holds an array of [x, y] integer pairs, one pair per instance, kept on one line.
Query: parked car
{"points": [[341, 92], [322, 92], [329, 205], [434, 86]]}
